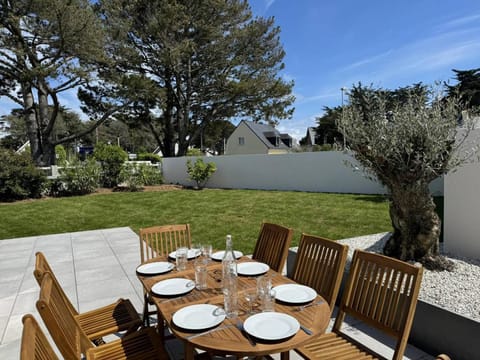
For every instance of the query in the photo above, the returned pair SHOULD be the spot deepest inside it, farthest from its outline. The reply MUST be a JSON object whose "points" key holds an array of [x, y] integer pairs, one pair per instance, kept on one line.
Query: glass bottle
{"points": [[229, 277], [229, 262]]}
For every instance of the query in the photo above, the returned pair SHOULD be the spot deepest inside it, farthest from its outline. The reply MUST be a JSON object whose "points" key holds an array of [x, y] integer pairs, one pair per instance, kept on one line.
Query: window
{"points": [[241, 140]]}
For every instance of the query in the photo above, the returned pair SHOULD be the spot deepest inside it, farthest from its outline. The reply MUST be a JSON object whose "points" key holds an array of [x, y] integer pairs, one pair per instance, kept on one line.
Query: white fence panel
{"points": [[312, 171]]}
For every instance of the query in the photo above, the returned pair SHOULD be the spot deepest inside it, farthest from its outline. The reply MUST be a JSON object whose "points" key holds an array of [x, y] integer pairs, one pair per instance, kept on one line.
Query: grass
{"points": [[211, 213]]}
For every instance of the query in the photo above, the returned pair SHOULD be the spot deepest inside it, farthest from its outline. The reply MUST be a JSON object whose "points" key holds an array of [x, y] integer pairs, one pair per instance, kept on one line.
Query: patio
{"points": [[88, 282]]}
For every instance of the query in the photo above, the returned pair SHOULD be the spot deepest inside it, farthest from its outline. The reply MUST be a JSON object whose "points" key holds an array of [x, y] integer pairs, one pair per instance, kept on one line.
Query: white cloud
{"points": [[302, 99], [366, 61], [419, 59], [458, 22], [268, 3]]}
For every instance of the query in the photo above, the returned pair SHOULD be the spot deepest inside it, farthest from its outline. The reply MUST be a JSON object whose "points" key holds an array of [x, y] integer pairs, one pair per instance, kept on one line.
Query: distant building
{"points": [[311, 137], [254, 138], [4, 128]]}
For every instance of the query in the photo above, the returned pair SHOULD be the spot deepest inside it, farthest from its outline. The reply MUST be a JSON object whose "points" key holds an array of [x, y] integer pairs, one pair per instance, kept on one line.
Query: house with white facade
{"points": [[255, 138]]}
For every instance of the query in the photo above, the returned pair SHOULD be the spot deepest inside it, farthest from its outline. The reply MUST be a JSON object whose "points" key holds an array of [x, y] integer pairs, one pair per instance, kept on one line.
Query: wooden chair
{"points": [[72, 341], [160, 241], [35, 345], [110, 319], [272, 245], [320, 264], [381, 292]]}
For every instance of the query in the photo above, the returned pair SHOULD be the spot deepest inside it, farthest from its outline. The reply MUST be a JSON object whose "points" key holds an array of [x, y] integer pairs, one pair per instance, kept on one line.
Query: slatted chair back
{"points": [[41, 267], [161, 240], [35, 345], [382, 292], [63, 327], [320, 264], [272, 245]]}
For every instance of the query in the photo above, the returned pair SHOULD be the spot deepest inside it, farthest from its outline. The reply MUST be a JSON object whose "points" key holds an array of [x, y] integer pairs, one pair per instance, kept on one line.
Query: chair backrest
{"points": [[162, 240], [35, 345], [41, 267], [70, 339], [320, 264], [382, 292], [272, 245]]}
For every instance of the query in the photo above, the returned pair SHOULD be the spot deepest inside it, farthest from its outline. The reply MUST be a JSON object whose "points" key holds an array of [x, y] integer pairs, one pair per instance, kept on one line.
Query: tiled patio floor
{"points": [[94, 267]]}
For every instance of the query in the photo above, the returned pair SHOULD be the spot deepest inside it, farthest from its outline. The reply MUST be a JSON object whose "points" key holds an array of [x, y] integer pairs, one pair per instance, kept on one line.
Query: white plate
{"points": [[155, 268], [174, 286], [191, 254], [294, 293], [198, 317], [252, 268], [219, 255], [271, 326]]}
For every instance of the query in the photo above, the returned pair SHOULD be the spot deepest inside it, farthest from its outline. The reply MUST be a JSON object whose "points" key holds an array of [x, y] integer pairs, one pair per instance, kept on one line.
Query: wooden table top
{"points": [[228, 339]]}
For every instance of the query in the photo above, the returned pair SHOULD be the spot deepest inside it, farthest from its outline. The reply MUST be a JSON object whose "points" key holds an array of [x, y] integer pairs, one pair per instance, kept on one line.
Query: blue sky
{"points": [[334, 44]]}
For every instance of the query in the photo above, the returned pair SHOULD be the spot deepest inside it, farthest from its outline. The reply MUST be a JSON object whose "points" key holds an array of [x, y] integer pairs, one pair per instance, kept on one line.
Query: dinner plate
{"points": [[173, 286], [198, 317], [219, 255], [252, 268], [294, 293], [191, 254], [155, 268], [271, 326]]}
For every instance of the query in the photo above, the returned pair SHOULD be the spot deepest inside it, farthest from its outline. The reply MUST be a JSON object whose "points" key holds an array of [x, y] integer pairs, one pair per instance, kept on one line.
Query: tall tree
{"points": [[406, 139], [327, 129], [468, 86], [203, 61], [214, 135], [47, 47]]}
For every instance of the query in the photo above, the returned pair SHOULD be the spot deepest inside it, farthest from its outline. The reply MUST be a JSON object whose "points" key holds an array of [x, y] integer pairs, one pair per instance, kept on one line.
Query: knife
{"points": [[306, 330]]}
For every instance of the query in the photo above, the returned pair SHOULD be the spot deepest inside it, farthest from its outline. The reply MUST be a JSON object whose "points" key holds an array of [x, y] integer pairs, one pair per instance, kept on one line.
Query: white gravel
{"points": [[457, 291]]}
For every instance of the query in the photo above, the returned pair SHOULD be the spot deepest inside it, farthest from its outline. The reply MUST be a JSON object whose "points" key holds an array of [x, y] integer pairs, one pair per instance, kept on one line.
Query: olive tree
{"points": [[406, 139]]}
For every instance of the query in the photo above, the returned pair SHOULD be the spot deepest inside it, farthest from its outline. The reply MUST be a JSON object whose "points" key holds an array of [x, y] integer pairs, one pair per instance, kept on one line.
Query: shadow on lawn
{"points": [[372, 198]]}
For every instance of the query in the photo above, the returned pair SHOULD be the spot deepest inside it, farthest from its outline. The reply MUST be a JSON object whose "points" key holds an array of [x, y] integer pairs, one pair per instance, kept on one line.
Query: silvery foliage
{"points": [[415, 141]]}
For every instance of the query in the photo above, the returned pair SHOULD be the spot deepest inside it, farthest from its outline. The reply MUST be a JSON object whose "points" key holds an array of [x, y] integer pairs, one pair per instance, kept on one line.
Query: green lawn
{"points": [[211, 213]]}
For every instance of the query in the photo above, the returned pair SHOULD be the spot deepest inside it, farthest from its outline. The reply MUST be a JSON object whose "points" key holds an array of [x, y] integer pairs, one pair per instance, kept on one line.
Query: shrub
{"points": [[61, 155], [19, 178], [80, 178], [194, 152], [137, 175], [111, 158], [200, 171], [153, 158]]}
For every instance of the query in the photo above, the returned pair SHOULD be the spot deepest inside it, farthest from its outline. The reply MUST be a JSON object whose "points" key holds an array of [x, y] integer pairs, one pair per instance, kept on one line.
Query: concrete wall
{"points": [[462, 212], [315, 171]]}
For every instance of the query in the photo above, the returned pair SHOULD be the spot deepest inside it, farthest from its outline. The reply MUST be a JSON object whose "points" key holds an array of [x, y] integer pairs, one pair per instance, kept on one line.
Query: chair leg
{"points": [[146, 317]]}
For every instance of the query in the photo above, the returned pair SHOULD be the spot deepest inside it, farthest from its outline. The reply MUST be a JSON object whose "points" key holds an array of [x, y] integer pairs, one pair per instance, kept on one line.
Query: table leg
{"points": [[189, 351], [285, 355]]}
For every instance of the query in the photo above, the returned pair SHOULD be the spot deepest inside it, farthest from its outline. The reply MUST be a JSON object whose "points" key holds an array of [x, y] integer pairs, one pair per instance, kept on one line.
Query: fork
{"points": [[300, 308]]}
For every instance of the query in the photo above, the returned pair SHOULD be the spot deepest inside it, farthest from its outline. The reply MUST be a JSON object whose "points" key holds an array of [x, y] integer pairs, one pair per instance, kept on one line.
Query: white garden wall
{"points": [[462, 212], [312, 171]]}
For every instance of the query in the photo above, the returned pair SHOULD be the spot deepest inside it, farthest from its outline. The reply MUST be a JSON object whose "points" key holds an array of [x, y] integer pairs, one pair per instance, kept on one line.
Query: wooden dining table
{"points": [[226, 338]]}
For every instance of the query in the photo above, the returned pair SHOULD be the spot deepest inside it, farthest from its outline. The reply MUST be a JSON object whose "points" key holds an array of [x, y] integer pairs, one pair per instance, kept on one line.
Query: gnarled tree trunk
{"points": [[416, 227]]}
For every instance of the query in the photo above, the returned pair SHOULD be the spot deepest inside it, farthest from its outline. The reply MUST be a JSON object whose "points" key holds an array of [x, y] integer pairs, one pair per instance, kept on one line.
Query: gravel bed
{"points": [[457, 291]]}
